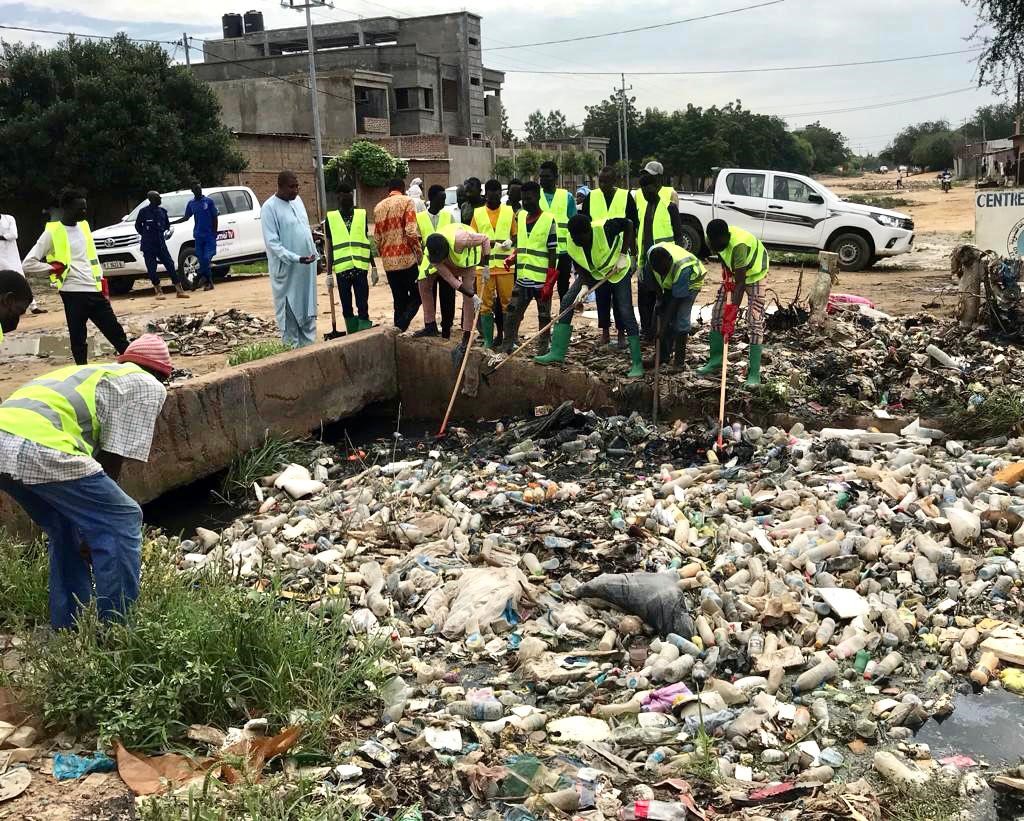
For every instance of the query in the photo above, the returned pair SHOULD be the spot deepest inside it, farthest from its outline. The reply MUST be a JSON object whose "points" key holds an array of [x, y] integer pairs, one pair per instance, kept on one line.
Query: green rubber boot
{"points": [[715, 362], [365, 324], [487, 329], [560, 336], [351, 324], [635, 357], [754, 372]]}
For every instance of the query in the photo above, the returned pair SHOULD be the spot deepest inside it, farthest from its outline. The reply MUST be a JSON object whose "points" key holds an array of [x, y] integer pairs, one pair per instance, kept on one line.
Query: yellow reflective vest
{"points": [[681, 261], [599, 208], [604, 259], [350, 247], [426, 229], [559, 208], [466, 258], [498, 233], [532, 247], [756, 256], [62, 252], [662, 223], [58, 410]]}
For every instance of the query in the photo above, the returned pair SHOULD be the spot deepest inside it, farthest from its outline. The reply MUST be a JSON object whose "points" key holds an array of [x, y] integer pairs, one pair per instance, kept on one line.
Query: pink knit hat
{"points": [[149, 351]]}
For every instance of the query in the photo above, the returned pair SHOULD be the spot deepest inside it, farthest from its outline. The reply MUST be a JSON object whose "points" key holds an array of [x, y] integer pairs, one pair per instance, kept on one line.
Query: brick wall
{"points": [[415, 145], [269, 154]]}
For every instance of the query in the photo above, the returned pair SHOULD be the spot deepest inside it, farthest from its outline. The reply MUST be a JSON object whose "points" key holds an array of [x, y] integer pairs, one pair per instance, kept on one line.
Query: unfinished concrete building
{"points": [[380, 76]]}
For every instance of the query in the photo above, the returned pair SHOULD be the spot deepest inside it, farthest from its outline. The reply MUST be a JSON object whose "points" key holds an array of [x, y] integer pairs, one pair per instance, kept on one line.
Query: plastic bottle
{"points": [[631, 707], [824, 634], [685, 645], [958, 658], [653, 811], [656, 758], [887, 666], [987, 666], [820, 673], [861, 660], [895, 625], [849, 647], [755, 643], [477, 711]]}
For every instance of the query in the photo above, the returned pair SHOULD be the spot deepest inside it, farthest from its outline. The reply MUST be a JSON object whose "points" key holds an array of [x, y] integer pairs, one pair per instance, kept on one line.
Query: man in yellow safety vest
{"points": [[67, 253], [745, 258], [63, 439], [351, 261], [497, 223], [562, 206], [436, 217], [658, 221], [679, 276], [457, 254], [609, 201]]}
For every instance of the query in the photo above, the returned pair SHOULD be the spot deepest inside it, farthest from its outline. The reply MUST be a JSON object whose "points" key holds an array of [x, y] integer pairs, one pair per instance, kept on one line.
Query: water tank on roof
{"points": [[253, 22], [232, 25]]}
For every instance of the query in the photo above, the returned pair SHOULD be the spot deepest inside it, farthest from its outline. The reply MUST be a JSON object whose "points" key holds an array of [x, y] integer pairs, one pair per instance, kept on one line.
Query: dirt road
{"points": [[906, 284]]}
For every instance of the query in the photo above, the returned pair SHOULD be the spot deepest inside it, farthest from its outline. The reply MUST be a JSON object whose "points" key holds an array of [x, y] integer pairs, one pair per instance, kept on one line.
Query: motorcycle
{"points": [[947, 184]]}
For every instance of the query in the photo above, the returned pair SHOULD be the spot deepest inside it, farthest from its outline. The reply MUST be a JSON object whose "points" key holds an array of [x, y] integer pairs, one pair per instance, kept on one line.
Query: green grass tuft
{"points": [[883, 201], [1001, 413], [936, 800], [196, 650], [24, 572], [264, 460], [275, 800], [257, 350]]}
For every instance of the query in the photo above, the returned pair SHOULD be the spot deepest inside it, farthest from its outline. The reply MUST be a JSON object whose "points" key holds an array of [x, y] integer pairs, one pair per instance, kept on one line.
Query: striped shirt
{"points": [[126, 408]]}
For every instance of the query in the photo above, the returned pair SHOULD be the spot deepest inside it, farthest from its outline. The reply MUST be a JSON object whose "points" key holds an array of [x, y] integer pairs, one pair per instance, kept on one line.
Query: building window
{"points": [[487, 106], [404, 100], [474, 41], [450, 95], [362, 95], [428, 99], [477, 136], [474, 81]]}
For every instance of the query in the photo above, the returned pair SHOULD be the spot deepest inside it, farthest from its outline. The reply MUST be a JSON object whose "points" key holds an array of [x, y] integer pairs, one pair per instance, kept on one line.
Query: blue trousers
{"points": [[206, 249], [158, 253], [354, 284], [606, 309], [87, 521]]}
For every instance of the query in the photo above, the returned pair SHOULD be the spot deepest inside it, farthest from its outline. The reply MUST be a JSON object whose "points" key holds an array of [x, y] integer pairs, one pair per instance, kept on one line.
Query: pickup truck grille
{"points": [[117, 242]]}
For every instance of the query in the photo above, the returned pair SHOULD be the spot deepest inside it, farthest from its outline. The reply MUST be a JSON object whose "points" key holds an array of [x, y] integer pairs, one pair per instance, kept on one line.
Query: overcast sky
{"points": [[786, 33]]}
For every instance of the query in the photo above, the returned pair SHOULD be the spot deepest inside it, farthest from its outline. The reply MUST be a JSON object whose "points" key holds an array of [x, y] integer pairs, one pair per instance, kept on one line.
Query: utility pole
{"points": [[188, 48], [625, 126], [314, 97]]}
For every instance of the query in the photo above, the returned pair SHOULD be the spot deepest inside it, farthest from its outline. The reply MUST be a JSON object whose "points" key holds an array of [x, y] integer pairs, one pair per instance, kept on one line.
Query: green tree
{"points": [[1000, 23], [504, 168], [901, 148], [603, 120], [372, 164], [936, 151], [528, 163], [568, 162], [536, 127], [829, 146], [991, 122], [557, 127], [590, 164], [507, 136], [114, 117]]}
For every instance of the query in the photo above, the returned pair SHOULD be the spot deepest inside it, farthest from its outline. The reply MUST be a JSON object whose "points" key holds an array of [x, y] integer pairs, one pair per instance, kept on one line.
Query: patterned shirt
{"points": [[396, 232], [126, 408]]}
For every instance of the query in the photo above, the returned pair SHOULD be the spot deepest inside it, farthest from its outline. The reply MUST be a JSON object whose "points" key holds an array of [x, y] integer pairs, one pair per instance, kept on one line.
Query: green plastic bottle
{"points": [[860, 661]]}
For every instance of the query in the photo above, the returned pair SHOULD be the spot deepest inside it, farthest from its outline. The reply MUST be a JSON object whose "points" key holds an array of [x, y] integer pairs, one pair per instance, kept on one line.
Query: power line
{"points": [[639, 28], [878, 105], [89, 36], [756, 70]]}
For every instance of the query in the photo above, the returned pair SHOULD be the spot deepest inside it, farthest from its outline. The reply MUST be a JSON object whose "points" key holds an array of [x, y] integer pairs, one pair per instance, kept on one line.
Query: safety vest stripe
{"points": [[535, 268], [533, 252]]}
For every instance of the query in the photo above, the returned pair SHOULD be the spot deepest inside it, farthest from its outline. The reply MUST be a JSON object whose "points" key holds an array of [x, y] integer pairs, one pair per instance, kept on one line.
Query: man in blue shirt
{"points": [[152, 225], [204, 231]]}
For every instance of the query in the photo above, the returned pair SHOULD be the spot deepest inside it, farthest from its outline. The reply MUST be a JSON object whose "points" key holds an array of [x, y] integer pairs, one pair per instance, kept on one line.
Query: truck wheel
{"points": [[692, 238], [854, 252], [188, 266], [119, 286]]}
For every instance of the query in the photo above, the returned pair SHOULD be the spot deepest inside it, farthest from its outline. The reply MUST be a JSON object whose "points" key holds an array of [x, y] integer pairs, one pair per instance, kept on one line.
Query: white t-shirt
{"points": [[79, 277], [10, 259]]}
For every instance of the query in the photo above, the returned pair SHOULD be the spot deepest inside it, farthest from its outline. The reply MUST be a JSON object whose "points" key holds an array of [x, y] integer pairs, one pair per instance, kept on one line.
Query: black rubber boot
{"points": [[430, 329]]}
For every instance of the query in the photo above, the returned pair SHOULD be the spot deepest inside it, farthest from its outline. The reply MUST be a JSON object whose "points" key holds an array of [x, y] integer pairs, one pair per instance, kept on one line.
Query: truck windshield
{"points": [[174, 203]]}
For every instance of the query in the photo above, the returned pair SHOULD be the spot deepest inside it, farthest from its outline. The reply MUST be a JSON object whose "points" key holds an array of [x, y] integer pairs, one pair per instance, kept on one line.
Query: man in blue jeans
{"points": [[204, 231], [63, 439], [676, 276]]}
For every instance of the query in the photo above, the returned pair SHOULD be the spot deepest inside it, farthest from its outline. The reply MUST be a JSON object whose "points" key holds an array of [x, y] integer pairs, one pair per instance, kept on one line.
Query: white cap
{"points": [[654, 168]]}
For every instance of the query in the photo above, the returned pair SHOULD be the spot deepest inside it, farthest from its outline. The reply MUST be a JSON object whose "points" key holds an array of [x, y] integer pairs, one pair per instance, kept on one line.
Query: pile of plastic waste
{"points": [[589, 616]]}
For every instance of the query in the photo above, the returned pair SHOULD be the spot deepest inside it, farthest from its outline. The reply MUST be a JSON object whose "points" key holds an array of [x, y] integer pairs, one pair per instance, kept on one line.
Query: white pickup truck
{"points": [[239, 238], [795, 213]]}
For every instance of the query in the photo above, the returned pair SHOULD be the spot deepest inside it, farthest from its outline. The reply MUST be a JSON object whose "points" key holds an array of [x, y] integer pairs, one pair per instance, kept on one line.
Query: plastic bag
{"points": [[482, 596], [654, 597]]}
